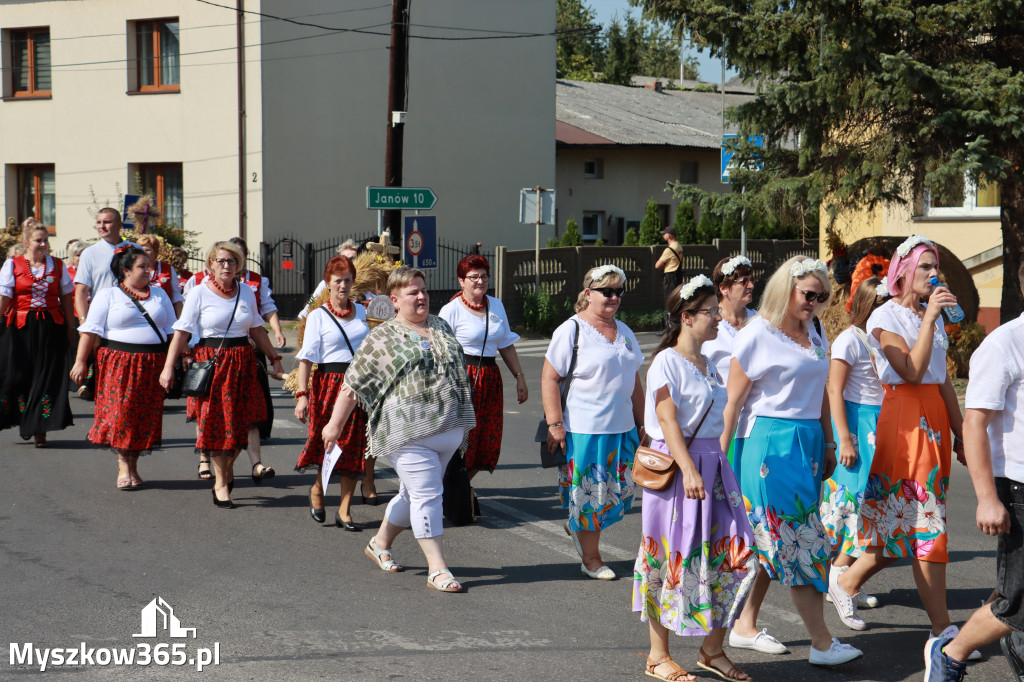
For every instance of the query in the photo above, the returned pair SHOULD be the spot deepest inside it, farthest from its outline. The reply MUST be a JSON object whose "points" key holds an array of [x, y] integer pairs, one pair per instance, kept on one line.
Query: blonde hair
{"points": [[402, 277], [15, 250], [152, 240], [344, 246], [609, 280], [775, 299], [76, 246], [30, 225], [225, 246]]}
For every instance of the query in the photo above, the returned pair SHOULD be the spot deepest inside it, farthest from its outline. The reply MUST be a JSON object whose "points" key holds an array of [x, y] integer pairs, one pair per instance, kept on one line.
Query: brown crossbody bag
{"points": [[653, 469]]}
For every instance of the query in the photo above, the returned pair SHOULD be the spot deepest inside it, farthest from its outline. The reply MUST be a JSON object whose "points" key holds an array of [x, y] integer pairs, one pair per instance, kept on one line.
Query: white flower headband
{"points": [[910, 242], [806, 267], [730, 265], [696, 283], [597, 274], [883, 288]]}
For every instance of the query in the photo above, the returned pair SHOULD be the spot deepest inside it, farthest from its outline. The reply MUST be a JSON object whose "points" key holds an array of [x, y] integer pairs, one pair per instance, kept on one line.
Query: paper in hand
{"points": [[331, 458]]}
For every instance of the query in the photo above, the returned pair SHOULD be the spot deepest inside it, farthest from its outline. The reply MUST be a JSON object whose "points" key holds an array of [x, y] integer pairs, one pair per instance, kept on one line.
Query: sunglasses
{"points": [[608, 292], [742, 281], [810, 295], [712, 311]]}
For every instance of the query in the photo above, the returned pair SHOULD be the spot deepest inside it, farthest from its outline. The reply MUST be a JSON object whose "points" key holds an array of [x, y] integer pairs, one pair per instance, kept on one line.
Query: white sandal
{"points": [[387, 565], [449, 584]]}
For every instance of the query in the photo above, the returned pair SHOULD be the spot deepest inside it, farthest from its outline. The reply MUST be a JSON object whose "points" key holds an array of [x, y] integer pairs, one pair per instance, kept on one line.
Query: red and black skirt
{"points": [[323, 391], [484, 445], [129, 398], [234, 403]]}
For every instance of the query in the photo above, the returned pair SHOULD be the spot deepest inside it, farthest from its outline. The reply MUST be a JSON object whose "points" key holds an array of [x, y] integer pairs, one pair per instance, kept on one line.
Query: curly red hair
{"points": [[472, 262], [339, 265]]}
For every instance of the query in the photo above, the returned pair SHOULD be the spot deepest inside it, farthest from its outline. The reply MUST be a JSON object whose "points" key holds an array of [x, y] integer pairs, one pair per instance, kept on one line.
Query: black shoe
{"points": [[265, 474], [372, 501], [208, 474], [225, 504], [1013, 656], [319, 515], [476, 505], [347, 525]]}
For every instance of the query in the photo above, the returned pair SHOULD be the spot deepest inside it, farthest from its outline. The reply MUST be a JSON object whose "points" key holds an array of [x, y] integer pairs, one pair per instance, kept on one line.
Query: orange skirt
{"points": [[904, 509]]}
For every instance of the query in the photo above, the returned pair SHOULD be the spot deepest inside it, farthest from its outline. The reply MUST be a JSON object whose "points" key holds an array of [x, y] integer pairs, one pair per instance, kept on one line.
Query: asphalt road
{"points": [[280, 596]]}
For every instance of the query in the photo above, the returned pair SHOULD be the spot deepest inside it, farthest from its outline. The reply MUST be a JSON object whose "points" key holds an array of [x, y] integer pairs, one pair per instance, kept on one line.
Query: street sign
{"points": [[420, 243], [126, 217], [400, 198], [528, 213], [727, 154]]}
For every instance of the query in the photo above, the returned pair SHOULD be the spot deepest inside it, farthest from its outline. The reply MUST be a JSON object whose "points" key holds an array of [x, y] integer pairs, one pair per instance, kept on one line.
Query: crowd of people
{"points": [[794, 461]]}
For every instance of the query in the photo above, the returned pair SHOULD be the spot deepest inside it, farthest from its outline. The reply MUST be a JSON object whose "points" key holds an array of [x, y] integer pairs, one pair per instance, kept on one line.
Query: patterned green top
{"points": [[411, 388]]}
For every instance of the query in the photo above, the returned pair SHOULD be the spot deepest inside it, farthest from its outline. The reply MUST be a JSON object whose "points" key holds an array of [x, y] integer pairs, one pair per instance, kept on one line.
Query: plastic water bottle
{"points": [[954, 313]]}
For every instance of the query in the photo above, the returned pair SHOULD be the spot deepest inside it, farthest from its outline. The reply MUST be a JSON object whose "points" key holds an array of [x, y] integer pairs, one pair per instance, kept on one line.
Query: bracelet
{"points": [[518, 374], [830, 446], [551, 426], [276, 358], [301, 394]]}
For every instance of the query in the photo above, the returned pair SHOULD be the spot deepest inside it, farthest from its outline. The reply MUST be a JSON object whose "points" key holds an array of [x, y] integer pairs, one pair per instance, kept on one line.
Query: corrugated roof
{"points": [[638, 116], [566, 133]]}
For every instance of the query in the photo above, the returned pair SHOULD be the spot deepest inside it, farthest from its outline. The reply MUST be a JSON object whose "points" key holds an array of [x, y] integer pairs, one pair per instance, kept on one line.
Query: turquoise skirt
{"points": [[779, 469], [596, 483], [844, 492]]}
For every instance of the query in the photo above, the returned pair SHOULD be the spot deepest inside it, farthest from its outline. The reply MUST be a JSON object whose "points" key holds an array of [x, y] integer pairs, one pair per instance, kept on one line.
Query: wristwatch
{"points": [[831, 446]]}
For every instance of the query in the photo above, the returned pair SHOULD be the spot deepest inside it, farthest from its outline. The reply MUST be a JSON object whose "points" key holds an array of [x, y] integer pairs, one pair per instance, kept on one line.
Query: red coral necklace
{"points": [[348, 309], [471, 306], [221, 289], [137, 297]]}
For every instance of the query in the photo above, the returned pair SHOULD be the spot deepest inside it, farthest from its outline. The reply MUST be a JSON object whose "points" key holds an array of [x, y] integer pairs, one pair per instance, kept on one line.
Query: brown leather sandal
{"points": [[733, 673], [677, 674]]}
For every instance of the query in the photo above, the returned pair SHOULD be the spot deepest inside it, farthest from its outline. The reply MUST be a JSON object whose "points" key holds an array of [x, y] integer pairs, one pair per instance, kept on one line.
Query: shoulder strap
{"points": [[145, 314], [572, 364], [487, 328], [238, 294], [701, 422], [863, 338], [340, 328]]}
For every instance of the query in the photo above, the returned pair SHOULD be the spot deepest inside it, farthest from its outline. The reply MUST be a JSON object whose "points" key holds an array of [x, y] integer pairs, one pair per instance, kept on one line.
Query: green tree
{"points": [[659, 51], [572, 236], [578, 53], [553, 242], [622, 61], [630, 238], [709, 228], [651, 226], [882, 100], [684, 224]]}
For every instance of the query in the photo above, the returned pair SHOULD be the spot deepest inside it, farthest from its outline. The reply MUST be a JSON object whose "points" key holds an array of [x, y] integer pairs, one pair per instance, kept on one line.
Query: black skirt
{"points": [[33, 376]]}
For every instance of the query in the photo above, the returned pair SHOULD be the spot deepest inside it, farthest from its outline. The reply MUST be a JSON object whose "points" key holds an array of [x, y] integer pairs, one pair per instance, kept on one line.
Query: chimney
{"points": [[654, 85]]}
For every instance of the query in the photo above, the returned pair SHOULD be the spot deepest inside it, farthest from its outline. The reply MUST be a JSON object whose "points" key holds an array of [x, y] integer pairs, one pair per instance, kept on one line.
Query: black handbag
{"points": [[200, 374], [549, 459], [179, 372], [457, 499]]}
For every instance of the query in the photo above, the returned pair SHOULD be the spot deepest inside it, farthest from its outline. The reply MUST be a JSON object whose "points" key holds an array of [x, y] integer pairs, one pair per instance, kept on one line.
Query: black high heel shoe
{"points": [[347, 525], [319, 515], [265, 474], [372, 501], [223, 504]]}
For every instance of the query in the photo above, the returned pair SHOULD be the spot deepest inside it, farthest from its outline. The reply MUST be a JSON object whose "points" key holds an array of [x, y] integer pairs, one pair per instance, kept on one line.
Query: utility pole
{"points": [[243, 210], [398, 77]]}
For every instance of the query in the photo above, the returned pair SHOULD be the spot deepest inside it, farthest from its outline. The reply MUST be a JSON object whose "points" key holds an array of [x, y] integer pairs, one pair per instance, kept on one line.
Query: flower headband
{"points": [[691, 287], [121, 249], [910, 242], [597, 274], [882, 289], [730, 265], [806, 267]]}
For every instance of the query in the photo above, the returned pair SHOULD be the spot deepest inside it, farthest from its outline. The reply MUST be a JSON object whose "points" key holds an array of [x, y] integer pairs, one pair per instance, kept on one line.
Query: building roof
{"points": [[590, 114]]}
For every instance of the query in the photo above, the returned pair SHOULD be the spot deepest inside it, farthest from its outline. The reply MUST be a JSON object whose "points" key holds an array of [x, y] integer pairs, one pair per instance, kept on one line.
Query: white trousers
{"points": [[420, 467]]}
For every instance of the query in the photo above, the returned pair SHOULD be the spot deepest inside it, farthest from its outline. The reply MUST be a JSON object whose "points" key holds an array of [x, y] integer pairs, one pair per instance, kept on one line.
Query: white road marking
{"points": [[333, 641], [289, 425]]}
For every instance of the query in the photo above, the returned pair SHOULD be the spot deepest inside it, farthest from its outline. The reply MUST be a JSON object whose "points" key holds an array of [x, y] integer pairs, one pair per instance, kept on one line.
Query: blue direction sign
{"points": [[420, 247], [727, 154]]}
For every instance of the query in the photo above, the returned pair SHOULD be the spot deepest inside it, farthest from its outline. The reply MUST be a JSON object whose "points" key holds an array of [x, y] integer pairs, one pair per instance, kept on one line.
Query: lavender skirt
{"points": [[695, 565]]}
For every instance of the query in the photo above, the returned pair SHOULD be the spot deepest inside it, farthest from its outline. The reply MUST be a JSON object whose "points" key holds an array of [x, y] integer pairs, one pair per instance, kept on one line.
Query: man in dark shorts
{"points": [[993, 430]]}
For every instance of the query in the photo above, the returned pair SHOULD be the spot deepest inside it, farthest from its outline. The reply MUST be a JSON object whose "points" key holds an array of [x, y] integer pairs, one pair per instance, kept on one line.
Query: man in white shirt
{"points": [[993, 433], [94, 271]]}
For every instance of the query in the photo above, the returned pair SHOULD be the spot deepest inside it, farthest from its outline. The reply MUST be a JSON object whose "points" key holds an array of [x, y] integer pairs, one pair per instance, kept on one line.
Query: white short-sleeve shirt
{"points": [[7, 282], [469, 328], [316, 292], [322, 341], [719, 349], [94, 266], [113, 316], [892, 317], [997, 383], [862, 385], [600, 397], [788, 379], [690, 390], [206, 315]]}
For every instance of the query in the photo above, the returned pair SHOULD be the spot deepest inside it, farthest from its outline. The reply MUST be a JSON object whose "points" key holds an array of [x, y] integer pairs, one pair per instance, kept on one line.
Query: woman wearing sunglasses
{"points": [[784, 445], [597, 430]]}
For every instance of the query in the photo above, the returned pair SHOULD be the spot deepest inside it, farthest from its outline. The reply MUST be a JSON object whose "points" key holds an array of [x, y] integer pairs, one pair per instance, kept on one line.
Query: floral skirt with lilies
{"points": [[596, 485], [779, 466], [844, 491], [904, 509], [696, 563]]}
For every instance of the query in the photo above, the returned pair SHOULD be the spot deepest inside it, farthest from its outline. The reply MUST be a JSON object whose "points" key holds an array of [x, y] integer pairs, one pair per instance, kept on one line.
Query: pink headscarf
{"points": [[899, 266]]}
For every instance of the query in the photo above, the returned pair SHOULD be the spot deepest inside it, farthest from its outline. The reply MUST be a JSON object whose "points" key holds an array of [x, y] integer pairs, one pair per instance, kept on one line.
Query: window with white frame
{"points": [[593, 221], [976, 200], [593, 169]]}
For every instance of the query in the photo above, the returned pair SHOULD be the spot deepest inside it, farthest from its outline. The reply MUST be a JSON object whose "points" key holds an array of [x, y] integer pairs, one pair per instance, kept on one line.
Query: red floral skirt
{"points": [[488, 402], [323, 391], [234, 403], [129, 401]]}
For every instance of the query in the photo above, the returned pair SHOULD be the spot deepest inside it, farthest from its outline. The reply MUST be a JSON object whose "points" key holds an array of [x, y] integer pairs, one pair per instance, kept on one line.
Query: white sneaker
{"points": [[864, 600], [949, 633], [762, 642], [603, 573], [837, 654], [846, 606]]}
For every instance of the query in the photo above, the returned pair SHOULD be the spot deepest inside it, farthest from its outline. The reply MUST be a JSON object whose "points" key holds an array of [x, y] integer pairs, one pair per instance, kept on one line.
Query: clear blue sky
{"points": [[710, 68]]}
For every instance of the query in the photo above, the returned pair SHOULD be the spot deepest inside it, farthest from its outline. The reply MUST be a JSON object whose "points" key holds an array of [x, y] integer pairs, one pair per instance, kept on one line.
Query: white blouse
{"points": [[113, 316], [719, 349], [322, 342], [600, 397], [892, 317], [690, 390], [788, 379], [469, 328], [206, 315], [38, 300], [862, 385]]}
